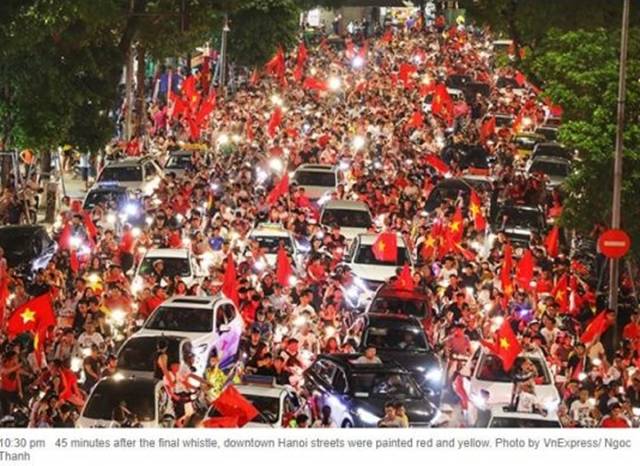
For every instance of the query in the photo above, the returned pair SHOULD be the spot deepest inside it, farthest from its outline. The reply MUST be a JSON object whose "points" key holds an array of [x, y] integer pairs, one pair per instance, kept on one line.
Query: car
{"points": [[269, 237], [208, 322], [358, 392], [401, 339], [556, 169], [504, 416], [370, 270], [318, 180], [117, 198], [504, 120], [455, 94], [479, 183], [277, 404], [352, 217], [448, 189], [27, 248], [145, 398], [391, 299], [136, 356], [178, 162], [526, 142], [551, 149], [177, 263], [488, 376], [519, 222], [137, 174], [550, 133]]}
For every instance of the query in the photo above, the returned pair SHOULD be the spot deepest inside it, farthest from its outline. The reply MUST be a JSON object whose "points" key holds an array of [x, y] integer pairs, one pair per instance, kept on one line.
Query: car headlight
{"points": [[434, 375], [367, 417], [131, 210]]}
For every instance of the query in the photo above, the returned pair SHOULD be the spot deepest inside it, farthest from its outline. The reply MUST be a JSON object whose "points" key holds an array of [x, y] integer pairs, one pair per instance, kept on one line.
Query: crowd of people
{"points": [[375, 109]]}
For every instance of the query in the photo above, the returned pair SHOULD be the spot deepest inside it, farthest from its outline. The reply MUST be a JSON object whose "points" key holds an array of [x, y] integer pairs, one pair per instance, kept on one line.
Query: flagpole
{"points": [[617, 164]]}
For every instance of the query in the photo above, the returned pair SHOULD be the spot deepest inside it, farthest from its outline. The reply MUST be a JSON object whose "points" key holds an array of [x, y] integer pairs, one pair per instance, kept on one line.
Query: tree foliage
{"points": [[579, 70]]}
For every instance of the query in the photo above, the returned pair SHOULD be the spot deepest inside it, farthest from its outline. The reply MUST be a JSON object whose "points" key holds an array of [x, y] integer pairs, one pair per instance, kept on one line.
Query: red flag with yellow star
{"points": [[506, 347], [475, 208], [32, 315], [385, 247], [560, 293], [405, 279], [456, 227], [505, 273], [429, 247]]}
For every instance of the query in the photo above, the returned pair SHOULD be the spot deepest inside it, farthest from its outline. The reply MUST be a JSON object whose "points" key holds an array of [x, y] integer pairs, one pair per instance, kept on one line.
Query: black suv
{"points": [[28, 248], [357, 392], [401, 339]]}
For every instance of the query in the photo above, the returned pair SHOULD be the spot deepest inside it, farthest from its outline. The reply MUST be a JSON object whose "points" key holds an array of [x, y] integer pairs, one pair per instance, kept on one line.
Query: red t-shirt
{"points": [[615, 423]]}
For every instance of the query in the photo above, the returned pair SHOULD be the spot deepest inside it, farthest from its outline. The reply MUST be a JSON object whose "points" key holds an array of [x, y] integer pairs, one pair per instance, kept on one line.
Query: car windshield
{"points": [[173, 266], [550, 168], [411, 307], [129, 173], [397, 338], [512, 218], [181, 319], [268, 407], [313, 178], [106, 397], [384, 385], [138, 354], [551, 149], [182, 161], [19, 245], [346, 218], [365, 256], [118, 198], [502, 422], [490, 369], [271, 243]]}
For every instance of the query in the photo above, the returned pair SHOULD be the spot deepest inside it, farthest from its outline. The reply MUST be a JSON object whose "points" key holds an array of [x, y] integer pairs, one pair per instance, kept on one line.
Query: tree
{"points": [[258, 27], [579, 70]]}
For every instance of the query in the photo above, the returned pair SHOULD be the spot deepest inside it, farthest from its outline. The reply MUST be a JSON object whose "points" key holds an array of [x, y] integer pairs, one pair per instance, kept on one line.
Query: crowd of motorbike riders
{"points": [[221, 197]]}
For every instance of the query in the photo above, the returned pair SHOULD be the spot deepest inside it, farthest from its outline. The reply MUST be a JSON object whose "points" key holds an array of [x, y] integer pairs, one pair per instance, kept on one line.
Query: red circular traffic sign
{"points": [[614, 243]]}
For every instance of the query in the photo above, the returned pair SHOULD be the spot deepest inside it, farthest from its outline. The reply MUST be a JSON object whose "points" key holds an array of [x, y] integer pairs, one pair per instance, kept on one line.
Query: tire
{"points": [[347, 424]]}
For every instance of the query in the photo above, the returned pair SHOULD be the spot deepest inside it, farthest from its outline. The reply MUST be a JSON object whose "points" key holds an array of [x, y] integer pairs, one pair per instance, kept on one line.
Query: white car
{"points": [[136, 355], [137, 174], [144, 397], [502, 416], [317, 180], [275, 403], [208, 322], [489, 377], [365, 266], [269, 236], [178, 162], [177, 262], [353, 217]]}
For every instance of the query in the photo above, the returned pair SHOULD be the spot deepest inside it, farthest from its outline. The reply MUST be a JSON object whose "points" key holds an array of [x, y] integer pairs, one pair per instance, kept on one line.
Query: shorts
{"points": [[84, 171]]}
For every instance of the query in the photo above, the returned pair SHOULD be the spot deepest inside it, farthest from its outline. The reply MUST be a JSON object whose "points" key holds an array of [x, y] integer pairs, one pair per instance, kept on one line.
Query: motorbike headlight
{"points": [[366, 416], [118, 317], [434, 375], [131, 210]]}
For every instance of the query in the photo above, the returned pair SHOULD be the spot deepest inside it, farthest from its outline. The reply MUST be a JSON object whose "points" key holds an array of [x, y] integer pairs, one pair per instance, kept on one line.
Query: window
{"points": [[324, 371], [181, 319], [229, 312], [149, 170], [340, 382], [220, 317]]}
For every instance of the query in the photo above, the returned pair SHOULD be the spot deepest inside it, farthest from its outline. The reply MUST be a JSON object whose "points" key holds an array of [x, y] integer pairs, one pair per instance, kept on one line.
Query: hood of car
{"points": [[379, 273], [420, 411]]}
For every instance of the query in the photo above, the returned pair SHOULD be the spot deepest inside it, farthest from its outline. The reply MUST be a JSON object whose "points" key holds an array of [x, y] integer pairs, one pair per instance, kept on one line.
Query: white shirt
{"points": [[580, 412], [526, 402], [86, 341]]}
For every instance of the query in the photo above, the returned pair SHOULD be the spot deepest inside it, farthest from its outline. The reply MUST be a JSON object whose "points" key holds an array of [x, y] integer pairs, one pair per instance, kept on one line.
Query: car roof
{"points": [[22, 228], [379, 317], [346, 360], [107, 187], [270, 229], [201, 302], [128, 162], [316, 167], [388, 290], [368, 239], [551, 159], [138, 383], [271, 391], [503, 410], [346, 205], [532, 354], [167, 253]]}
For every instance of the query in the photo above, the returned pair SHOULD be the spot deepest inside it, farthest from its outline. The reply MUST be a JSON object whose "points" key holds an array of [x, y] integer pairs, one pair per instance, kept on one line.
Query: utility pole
{"points": [[223, 53], [617, 164]]}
